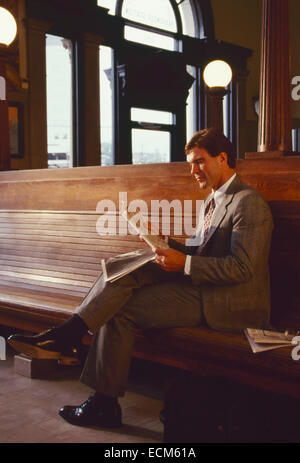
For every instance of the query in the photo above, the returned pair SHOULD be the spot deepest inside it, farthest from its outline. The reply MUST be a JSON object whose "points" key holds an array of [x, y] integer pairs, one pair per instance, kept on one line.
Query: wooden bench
{"points": [[51, 252]]}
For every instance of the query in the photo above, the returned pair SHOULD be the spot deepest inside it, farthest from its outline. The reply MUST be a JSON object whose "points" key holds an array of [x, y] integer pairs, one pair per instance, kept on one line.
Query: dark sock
{"points": [[72, 330]]}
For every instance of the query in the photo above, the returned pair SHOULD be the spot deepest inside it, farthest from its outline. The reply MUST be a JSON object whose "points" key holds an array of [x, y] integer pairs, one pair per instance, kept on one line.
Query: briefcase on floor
{"points": [[214, 410]]}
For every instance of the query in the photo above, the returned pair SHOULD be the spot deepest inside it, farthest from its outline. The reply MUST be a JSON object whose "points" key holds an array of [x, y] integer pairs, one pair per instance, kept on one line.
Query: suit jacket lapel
{"points": [[222, 209]]}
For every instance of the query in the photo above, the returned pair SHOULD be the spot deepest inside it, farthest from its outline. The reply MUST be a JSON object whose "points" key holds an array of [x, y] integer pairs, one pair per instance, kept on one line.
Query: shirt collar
{"points": [[220, 192]]}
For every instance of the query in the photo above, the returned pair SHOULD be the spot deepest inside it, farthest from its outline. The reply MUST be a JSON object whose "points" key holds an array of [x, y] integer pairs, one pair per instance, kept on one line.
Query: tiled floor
{"points": [[29, 408]]}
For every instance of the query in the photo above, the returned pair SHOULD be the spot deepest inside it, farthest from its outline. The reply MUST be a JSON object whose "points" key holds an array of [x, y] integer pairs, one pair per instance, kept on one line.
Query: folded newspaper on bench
{"points": [[118, 266], [263, 340]]}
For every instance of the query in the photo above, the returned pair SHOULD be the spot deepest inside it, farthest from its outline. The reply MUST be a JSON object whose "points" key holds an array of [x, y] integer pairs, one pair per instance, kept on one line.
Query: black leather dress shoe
{"points": [[90, 413], [44, 345]]}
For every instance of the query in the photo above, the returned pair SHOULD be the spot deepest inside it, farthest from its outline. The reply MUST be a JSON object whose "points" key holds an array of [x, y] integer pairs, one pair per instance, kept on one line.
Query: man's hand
{"points": [[170, 260]]}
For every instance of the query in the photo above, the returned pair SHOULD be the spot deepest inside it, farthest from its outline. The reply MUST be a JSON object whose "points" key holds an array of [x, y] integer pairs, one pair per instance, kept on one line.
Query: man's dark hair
{"points": [[214, 142]]}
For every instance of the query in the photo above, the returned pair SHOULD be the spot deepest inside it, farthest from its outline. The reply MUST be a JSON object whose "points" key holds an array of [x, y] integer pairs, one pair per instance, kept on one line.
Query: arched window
{"points": [[152, 23], [157, 13], [160, 24], [157, 23], [152, 92]]}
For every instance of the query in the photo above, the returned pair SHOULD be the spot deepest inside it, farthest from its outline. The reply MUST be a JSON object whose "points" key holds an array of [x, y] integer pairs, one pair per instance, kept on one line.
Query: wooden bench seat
{"points": [[50, 254], [49, 261], [202, 350]]}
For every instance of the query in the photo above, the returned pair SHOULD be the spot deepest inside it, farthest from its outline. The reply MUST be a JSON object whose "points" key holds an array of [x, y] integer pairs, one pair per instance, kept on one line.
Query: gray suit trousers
{"points": [[147, 298]]}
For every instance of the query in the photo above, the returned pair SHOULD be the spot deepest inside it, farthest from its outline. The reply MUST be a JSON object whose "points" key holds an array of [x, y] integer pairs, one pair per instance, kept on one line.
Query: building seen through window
{"points": [[158, 24], [153, 24], [151, 136], [59, 101], [149, 146], [154, 129]]}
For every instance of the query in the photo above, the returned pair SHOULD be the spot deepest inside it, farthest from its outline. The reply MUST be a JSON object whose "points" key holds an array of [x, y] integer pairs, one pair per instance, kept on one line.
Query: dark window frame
{"points": [[177, 36], [111, 27]]}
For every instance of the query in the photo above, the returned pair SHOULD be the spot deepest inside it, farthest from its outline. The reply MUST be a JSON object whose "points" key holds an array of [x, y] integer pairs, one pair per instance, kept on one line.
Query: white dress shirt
{"points": [[219, 196]]}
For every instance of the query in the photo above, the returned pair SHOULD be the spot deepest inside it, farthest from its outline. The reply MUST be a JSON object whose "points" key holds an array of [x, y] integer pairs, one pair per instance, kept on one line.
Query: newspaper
{"points": [[263, 340], [118, 266], [137, 221]]}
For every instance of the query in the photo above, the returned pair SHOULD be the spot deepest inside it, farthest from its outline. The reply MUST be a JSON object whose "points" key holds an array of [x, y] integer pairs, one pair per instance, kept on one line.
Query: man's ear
{"points": [[223, 157]]}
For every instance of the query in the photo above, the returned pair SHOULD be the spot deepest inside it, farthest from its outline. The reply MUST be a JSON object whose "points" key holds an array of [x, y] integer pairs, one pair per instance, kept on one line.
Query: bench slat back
{"points": [[50, 248]]}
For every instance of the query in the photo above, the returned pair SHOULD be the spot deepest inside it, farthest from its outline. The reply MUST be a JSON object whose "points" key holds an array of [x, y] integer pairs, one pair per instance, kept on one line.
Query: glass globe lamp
{"points": [[8, 27], [217, 76], [217, 73]]}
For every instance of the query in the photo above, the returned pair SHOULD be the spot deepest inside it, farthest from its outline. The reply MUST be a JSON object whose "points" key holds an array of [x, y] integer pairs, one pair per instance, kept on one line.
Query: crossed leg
{"points": [[148, 298]]}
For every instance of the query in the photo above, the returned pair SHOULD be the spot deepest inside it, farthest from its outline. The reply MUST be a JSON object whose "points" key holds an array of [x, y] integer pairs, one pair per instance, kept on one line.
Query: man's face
{"points": [[207, 170]]}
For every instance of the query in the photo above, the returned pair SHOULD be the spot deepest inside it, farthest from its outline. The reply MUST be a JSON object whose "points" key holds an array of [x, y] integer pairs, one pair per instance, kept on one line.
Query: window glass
{"points": [[109, 4], [225, 115], [149, 38], [156, 13], [296, 140], [191, 105], [59, 101], [150, 115], [187, 18], [150, 146], [106, 105]]}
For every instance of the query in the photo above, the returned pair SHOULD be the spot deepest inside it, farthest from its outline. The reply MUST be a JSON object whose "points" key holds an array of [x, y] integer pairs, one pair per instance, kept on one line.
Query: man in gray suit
{"points": [[219, 277]]}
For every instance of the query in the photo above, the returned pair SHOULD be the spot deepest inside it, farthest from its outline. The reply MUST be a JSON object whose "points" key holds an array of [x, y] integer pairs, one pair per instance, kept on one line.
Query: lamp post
{"points": [[8, 31], [217, 76]]}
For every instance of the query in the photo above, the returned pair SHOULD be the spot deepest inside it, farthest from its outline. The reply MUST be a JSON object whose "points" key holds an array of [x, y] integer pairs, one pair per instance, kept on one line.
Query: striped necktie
{"points": [[208, 213]]}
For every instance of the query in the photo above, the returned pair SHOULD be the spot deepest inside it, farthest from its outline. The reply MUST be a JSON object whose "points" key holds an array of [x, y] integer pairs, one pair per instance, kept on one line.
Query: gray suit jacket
{"points": [[232, 269]]}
